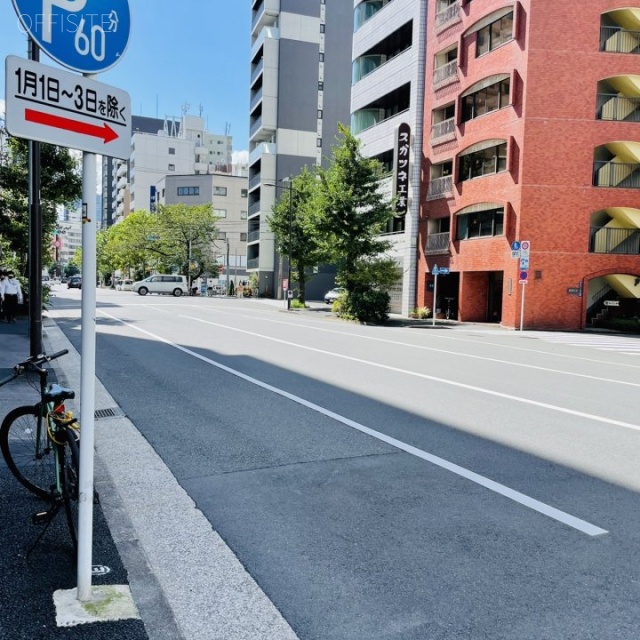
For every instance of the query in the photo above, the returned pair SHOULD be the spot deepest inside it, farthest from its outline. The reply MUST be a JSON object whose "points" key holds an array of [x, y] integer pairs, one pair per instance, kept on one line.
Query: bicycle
{"points": [[40, 444], [449, 312]]}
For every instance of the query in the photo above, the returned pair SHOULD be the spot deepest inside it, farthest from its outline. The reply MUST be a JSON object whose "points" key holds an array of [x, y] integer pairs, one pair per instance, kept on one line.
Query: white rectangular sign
{"points": [[62, 108]]}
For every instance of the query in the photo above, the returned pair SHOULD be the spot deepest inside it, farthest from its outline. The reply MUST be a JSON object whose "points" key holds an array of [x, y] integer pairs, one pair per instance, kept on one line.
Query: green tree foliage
{"points": [[61, 184], [294, 221], [187, 238], [162, 242], [352, 213]]}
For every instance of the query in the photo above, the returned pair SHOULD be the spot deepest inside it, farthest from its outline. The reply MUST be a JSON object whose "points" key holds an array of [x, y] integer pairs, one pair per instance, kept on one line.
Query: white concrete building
{"points": [[228, 196], [389, 46], [299, 92], [180, 147]]}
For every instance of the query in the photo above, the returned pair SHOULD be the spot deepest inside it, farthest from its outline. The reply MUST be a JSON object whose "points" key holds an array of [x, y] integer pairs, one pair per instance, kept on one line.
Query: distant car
{"points": [[159, 283], [124, 285], [74, 282], [331, 296], [46, 281]]}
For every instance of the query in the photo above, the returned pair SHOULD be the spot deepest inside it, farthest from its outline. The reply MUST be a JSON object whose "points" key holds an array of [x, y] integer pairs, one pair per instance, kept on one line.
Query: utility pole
{"points": [[228, 270]]}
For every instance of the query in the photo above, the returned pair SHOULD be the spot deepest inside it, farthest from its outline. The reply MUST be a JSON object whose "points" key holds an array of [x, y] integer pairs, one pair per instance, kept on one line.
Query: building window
{"points": [[320, 86], [319, 114], [172, 167], [222, 235], [480, 224], [318, 142], [491, 98], [188, 191], [220, 213], [495, 34], [219, 191], [244, 193], [172, 151], [322, 28], [243, 215], [243, 237], [484, 162], [321, 57]]}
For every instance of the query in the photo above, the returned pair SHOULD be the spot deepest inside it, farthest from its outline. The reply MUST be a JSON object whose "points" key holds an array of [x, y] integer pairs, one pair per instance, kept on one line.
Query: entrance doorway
{"points": [[494, 296]]}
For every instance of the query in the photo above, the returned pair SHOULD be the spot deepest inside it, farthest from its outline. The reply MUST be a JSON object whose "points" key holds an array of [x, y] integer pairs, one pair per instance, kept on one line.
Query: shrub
{"points": [[296, 303], [420, 313], [369, 306]]}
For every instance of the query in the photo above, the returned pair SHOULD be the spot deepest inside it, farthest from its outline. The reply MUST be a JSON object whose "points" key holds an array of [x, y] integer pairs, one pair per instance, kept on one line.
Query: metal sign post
{"points": [[435, 271], [86, 36]]}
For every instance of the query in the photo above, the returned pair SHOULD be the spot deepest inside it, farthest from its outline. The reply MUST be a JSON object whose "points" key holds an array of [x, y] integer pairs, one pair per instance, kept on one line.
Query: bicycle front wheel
{"points": [[27, 449], [70, 481]]}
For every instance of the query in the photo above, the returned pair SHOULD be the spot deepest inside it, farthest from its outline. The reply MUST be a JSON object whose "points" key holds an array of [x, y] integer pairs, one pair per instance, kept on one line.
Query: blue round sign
{"points": [[515, 246], [87, 36]]}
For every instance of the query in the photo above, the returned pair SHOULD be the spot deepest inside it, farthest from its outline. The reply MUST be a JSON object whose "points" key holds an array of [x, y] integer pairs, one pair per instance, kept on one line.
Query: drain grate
{"points": [[108, 413]]}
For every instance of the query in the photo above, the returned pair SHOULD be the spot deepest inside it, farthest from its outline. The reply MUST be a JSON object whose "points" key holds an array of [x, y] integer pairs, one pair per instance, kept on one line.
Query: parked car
{"points": [[74, 282], [331, 296], [160, 283], [124, 285]]}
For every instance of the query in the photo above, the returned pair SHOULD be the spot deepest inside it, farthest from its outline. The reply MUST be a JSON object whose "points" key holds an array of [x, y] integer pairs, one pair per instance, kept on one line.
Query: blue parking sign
{"points": [[88, 36]]}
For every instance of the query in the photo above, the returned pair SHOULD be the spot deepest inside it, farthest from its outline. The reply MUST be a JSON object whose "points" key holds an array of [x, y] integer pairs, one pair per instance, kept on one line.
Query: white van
{"points": [[159, 283]]}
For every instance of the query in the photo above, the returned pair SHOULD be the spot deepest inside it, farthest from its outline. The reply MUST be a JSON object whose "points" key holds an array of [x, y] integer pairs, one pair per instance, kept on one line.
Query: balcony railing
{"points": [[437, 243], [253, 208], [439, 187], [254, 181], [621, 175], [447, 15], [617, 40], [257, 71], [252, 236], [256, 126], [619, 108], [253, 263], [256, 98], [445, 72], [614, 240], [446, 128]]}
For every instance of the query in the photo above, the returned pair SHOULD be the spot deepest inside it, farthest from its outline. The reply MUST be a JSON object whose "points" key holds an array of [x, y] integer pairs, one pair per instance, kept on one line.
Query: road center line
{"points": [[424, 376], [523, 365], [556, 514]]}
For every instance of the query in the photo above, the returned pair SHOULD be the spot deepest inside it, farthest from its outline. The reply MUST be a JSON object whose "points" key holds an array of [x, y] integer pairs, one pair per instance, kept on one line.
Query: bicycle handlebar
{"points": [[33, 363]]}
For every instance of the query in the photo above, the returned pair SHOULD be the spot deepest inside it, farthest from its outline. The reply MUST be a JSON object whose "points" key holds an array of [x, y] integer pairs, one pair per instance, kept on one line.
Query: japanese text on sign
{"points": [[402, 169], [41, 88]]}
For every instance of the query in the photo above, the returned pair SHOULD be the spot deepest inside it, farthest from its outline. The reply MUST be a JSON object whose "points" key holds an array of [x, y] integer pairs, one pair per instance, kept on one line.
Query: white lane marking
{"points": [[521, 498], [424, 376], [448, 352]]}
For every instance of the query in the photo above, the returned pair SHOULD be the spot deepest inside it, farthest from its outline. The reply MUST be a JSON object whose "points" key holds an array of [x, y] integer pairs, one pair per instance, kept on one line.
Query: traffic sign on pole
{"points": [[55, 106], [87, 36]]}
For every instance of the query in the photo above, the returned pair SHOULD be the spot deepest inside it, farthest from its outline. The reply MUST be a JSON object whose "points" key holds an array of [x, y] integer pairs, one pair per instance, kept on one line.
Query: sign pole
{"points": [[35, 236], [87, 376], [524, 288], [435, 298]]}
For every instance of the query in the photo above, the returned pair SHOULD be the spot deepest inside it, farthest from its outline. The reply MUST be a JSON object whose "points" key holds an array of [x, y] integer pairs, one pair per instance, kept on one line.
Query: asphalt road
{"points": [[402, 483]]}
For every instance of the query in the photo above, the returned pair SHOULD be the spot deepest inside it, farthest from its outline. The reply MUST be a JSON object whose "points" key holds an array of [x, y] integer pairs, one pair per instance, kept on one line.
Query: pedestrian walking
{"points": [[11, 297]]}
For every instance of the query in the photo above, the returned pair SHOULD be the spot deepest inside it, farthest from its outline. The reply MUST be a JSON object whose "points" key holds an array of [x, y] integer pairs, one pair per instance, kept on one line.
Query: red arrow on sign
{"points": [[39, 117]]}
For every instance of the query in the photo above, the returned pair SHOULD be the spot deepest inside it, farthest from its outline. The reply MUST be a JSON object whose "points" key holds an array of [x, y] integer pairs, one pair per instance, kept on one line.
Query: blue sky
{"points": [[192, 52]]}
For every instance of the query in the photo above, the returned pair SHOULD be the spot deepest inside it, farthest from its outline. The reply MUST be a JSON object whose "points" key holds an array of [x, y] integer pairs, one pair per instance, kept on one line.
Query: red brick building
{"points": [[532, 132]]}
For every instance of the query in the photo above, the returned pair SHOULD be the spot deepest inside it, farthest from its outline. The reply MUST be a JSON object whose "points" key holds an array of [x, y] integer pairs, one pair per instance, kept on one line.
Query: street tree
{"points": [[187, 234], [293, 222], [61, 184], [352, 215]]}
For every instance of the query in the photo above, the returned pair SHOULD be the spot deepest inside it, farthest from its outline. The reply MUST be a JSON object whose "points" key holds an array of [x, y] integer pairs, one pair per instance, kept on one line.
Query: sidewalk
{"points": [[185, 581], [28, 579]]}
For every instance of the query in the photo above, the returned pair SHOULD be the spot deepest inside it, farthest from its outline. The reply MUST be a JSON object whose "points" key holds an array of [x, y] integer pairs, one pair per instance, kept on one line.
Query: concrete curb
{"points": [[175, 560]]}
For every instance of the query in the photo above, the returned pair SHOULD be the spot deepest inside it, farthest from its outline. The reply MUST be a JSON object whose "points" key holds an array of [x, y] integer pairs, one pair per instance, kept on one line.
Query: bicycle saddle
{"points": [[56, 393]]}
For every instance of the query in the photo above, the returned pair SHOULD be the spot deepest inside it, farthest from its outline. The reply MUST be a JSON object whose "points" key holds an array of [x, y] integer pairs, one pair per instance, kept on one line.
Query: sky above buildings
{"points": [[192, 54]]}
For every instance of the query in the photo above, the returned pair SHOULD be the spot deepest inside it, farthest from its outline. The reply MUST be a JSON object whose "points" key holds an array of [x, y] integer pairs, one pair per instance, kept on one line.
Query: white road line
{"points": [[547, 510], [523, 365]]}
